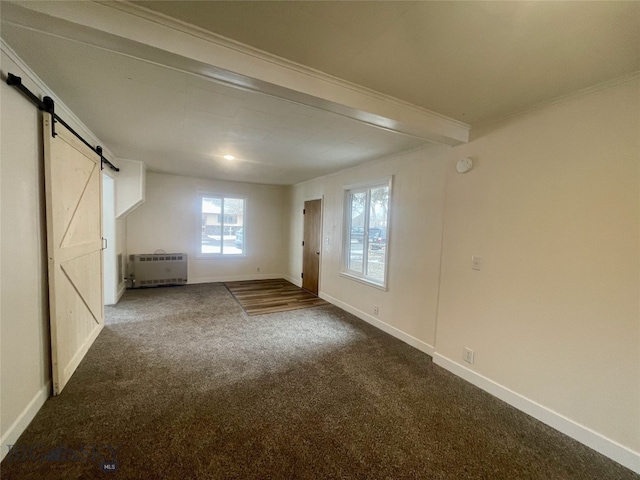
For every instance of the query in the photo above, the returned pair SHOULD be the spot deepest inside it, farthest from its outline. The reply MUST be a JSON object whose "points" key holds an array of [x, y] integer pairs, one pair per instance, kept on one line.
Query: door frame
{"points": [[110, 279], [308, 199]]}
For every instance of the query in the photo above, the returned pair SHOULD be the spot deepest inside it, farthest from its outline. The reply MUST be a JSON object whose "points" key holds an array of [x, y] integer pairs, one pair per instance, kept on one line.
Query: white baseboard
{"points": [[24, 419], [235, 278], [121, 289], [296, 281], [385, 327], [610, 448]]}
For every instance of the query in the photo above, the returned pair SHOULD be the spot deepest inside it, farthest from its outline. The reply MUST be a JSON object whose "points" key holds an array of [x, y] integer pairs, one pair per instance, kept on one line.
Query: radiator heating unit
{"points": [[157, 269]]}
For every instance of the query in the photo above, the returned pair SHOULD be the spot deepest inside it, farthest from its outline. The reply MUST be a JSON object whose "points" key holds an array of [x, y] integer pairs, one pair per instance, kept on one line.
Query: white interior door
{"points": [[73, 184]]}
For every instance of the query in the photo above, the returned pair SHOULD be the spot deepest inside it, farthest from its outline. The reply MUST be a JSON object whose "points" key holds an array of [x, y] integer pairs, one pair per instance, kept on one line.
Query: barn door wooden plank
{"points": [[73, 186]]}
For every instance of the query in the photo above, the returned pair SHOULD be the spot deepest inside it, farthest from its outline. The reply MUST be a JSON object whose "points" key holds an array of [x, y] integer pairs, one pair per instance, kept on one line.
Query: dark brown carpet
{"points": [[258, 297], [185, 385]]}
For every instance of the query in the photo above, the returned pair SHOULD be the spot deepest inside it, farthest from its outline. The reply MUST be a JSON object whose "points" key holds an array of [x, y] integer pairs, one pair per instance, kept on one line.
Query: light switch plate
{"points": [[468, 355]]}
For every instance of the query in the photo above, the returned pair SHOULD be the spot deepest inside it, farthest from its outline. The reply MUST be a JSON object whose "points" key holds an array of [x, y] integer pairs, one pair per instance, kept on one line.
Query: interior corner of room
{"points": [[512, 244]]}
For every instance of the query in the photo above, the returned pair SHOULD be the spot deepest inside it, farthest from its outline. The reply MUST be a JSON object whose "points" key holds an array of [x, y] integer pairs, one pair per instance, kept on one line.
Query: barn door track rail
{"points": [[47, 105]]}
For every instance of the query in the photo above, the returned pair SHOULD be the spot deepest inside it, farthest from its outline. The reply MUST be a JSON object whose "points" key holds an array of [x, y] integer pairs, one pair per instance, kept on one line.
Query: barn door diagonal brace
{"points": [[47, 105]]}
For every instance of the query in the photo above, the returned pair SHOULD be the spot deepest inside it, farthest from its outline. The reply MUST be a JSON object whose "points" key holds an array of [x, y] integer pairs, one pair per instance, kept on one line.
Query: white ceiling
{"points": [[472, 61], [183, 124], [469, 60]]}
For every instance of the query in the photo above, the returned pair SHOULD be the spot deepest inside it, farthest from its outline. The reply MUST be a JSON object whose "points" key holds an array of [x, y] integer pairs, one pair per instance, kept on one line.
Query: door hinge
{"points": [[302, 275], [304, 211], [303, 243]]}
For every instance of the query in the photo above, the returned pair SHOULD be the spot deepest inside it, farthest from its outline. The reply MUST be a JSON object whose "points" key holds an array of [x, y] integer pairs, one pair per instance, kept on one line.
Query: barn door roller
{"points": [[47, 105]]}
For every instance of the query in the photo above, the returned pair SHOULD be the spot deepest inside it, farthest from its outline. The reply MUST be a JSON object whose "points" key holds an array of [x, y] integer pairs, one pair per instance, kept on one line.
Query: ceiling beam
{"points": [[134, 31]]}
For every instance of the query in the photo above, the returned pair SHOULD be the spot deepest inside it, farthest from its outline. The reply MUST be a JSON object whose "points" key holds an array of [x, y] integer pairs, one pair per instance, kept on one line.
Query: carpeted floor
{"points": [[182, 384]]}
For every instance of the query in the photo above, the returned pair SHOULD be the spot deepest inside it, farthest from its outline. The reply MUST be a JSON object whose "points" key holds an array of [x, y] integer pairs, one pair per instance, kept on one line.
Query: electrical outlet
{"points": [[468, 355], [375, 309], [476, 263]]}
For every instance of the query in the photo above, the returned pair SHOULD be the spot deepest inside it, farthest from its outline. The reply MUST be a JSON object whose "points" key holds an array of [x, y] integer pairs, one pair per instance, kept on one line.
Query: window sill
{"points": [[364, 281], [217, 256]]}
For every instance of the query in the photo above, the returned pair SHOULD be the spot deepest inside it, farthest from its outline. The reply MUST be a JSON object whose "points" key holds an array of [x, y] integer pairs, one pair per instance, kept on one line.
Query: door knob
{"points": [[318, 252]]}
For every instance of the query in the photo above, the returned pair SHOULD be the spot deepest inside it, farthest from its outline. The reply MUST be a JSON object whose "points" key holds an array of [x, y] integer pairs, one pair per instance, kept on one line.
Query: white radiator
{"points": [[158, 269]]}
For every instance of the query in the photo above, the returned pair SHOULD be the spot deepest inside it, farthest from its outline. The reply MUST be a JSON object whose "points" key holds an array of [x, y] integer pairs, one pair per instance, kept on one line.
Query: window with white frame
{"points": [[366, 232], [222, 225]]}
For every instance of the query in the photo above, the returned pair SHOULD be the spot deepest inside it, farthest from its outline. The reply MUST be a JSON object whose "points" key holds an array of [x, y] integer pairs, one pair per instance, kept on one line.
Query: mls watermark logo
{"points": [[104, 456], [109, 467]]}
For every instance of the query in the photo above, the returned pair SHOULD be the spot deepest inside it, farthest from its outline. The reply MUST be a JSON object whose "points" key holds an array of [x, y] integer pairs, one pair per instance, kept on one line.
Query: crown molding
{"points": [[231, 44], [479, 129], [42, 87], [134, 31]]}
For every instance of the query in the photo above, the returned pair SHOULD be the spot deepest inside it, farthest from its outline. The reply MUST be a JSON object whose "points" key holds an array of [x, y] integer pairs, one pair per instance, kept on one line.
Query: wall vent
{"points": [[158, 269]]}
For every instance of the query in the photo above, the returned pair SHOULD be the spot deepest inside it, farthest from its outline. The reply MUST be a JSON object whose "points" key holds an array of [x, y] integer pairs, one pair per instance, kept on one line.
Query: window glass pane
{"points": [[211, 226], [356, 233], [365, 237], [378, 209], [233, 226]]}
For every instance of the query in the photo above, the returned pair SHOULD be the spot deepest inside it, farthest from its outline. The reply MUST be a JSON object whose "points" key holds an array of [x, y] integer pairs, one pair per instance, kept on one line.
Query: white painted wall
{"points": [[24, 321], [121, 249], [115, 231], [410, 303], [109, 266], [25, 371], [130, 186], [553, 208], [169, 219], [130, 191]]}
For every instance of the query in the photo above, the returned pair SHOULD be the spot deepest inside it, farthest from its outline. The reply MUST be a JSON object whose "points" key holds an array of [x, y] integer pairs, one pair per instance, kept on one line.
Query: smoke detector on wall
{"points": [[464, 165]]}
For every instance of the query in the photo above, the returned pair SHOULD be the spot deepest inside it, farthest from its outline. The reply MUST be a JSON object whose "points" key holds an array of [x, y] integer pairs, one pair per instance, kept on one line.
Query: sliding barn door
{"points": [[74, 240]]}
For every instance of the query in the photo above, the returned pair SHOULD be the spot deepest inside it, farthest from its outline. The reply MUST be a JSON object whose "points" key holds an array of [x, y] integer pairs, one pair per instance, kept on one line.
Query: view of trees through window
{"points": [[366, 240], [222, 225]]}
